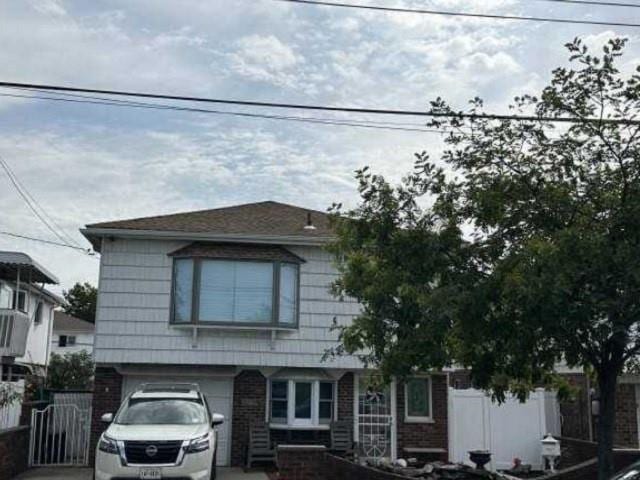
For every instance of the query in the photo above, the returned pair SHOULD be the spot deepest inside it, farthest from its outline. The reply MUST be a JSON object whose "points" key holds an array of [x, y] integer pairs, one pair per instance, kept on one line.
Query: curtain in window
{"points": [[418, 397], [236, 291], [182, 289], [288, 292]]}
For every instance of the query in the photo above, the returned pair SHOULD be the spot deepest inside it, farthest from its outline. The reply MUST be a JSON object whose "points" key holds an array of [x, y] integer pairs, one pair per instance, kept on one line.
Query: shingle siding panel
{"points": [[133, 314]]}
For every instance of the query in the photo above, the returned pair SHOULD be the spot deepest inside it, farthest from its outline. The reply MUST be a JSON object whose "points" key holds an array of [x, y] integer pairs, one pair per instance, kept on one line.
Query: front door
{"points": [[375, 419]]}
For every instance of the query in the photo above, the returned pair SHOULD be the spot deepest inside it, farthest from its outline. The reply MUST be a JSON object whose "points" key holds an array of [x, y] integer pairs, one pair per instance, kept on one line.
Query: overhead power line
{"points": [[26, 197], [589, 3], [459, 14], [48, 242], [35, 206], [324, 108], [316, 120]]}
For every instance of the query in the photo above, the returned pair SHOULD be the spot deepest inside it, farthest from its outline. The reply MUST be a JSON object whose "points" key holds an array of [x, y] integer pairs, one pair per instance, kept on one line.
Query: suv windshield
{"points": [[162, 411]]}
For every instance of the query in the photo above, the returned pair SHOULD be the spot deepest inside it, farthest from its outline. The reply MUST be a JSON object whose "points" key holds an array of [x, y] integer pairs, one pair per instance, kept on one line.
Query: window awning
{"points": [[30, 270], [237, 251]]}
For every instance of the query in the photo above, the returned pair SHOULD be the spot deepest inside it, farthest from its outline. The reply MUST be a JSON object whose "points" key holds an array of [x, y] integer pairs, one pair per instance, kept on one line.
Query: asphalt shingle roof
{"points": [[263, 218], [63, 322]]}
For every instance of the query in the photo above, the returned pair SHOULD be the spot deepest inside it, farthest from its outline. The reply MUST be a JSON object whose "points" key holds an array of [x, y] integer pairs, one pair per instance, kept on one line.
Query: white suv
{"points": [[160, 431]]}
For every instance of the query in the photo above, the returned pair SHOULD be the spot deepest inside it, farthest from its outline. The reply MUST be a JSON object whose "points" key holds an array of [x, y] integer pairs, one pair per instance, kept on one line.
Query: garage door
{"points": [[219, 393]]}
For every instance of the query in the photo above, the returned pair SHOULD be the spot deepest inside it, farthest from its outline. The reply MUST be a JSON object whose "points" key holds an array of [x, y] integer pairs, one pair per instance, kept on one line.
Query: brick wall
{"points": [[249, 406], [14, 448], [626, 430], [107, 395], [345, 397], [296, 462], [575, 411], [425, 435]]}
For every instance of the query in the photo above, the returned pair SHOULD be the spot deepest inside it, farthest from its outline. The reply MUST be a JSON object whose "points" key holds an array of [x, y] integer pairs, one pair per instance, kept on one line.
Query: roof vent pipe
{"points": [[309, 225]]}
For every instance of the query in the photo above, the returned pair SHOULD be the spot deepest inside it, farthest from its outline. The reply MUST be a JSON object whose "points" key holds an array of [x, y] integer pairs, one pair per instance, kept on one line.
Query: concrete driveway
{"points": [[61, 473]]}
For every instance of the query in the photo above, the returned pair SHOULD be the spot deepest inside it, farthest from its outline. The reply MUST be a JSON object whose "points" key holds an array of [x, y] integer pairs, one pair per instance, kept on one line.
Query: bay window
{"points": [[235, 292], [301, 403]]}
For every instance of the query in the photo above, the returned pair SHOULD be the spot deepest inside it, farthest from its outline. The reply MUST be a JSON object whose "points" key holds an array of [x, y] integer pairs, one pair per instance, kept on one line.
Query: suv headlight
{"points": [[199, 444], [107, 445]]}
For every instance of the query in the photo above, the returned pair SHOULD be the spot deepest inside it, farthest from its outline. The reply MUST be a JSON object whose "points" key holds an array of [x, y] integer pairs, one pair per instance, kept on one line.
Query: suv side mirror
{"points": [[107, 418], [217, 419]]}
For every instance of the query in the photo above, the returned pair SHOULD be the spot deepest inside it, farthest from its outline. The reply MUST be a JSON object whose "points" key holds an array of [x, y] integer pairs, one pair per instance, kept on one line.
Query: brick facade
{"points": [[14, 448], [107, 395], [434, 435], [626, 430], [345, 396], [249, 406]]}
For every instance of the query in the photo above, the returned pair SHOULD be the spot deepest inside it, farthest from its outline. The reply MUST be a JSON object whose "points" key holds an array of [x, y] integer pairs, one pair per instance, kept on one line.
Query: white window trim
{"points": [[303, 424], [418, 419]]}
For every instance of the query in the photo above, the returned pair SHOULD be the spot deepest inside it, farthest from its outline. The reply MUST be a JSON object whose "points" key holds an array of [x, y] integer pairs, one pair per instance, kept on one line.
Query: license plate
{"points": [[150, 474]]}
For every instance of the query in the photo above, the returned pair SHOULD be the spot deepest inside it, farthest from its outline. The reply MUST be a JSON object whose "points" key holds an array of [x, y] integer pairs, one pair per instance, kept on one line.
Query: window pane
{"points": [[418, 398], [182, 289], [288, 292], [236, 291], [326, 391], [326, 411], [279, 411], [254, 292], [303, 400], [279, 390]]}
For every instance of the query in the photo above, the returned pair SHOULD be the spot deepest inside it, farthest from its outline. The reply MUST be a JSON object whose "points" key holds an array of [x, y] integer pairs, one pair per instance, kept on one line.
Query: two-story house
{"points": [[26, 315], [71, 334], [237, 299]]}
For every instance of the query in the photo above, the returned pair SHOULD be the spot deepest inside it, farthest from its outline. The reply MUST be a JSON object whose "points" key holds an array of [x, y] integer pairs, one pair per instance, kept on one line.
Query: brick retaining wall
{"points": [[14, 448], [301, 462]]}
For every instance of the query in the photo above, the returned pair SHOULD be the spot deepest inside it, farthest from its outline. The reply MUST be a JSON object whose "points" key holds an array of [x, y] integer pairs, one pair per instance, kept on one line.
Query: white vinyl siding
{"points": [[134, 314]]}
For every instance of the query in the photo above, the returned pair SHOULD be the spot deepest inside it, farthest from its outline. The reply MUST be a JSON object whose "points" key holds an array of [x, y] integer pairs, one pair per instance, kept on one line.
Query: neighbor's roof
{"points": [[11, 262], [263, 219], [63, 322]]}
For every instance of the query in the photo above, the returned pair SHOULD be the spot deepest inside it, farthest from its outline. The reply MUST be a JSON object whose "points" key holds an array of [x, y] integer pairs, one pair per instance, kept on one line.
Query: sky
{"points": [[90, 163]]}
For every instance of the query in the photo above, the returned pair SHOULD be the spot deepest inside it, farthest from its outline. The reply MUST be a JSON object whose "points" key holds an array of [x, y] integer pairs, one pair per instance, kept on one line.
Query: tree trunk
{"points": [[607, 383]]}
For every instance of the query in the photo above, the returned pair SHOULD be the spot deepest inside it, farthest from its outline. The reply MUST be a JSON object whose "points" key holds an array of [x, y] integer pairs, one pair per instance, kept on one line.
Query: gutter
{"points": [[210, 236]]}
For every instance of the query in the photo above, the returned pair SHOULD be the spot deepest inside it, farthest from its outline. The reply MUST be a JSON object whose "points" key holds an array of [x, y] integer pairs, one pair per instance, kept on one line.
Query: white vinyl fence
{"points": [[510, 430], [10, 414]]}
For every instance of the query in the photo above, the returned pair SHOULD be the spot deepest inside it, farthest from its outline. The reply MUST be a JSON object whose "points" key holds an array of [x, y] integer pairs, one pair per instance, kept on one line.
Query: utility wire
{"points": [[24, 196], [594, 2], [48, 242], [21, 189], [322, 121], [458, 14], [372, 111]]}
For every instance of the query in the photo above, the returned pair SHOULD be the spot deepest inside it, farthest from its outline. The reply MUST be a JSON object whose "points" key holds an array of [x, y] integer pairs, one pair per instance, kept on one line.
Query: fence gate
{"points": [[60, 436]]}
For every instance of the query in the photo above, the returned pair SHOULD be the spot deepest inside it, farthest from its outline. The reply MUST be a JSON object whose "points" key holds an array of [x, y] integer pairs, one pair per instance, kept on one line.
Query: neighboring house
{"points": [[71, 334], [237, 299], [26, 315]]}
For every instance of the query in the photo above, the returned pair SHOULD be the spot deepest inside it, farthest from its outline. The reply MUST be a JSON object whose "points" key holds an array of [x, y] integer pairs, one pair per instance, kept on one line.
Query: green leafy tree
{"points": [[517, 248], [73, 371], [81, 301]]}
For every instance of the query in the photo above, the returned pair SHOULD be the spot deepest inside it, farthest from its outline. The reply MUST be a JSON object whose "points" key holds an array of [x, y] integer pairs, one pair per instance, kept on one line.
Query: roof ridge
{"points": [[207, 210]]}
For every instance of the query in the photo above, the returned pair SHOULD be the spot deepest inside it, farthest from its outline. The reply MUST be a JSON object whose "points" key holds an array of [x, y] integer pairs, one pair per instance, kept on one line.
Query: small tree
{"points": [[73, 371], [81, 301], [529, 253]]}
